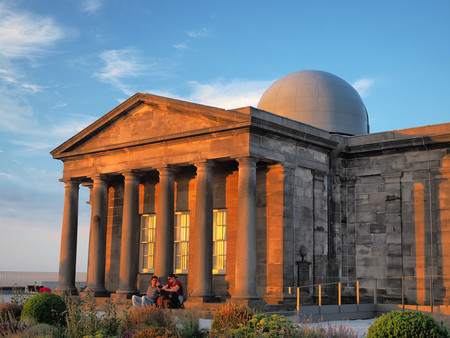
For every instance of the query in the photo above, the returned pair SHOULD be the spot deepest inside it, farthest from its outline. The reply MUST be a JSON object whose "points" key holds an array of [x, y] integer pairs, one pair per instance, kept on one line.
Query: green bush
{"points": [[406, 324], [45, 308], [229, 317], [9, 311], [264, 325]]}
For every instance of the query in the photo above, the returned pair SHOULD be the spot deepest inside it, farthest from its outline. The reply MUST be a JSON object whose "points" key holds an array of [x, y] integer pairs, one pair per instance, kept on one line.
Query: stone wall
{"points": [[394, 218]]}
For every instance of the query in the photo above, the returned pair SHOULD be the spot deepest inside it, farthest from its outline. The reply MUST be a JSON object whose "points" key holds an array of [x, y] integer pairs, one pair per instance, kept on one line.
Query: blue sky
{"points": [[64, 64]]}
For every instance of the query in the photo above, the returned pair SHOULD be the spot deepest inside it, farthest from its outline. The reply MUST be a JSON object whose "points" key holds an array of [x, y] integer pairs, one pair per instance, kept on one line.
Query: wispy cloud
{"points": [[91, 6], [71, 126], [181, 45], [119, 65], [234, 94], [15, 81], [60, 105], [15, 116], [362, 86], [8, 76], [200, 33], [32, 88], [26, 35], [32, 145]]}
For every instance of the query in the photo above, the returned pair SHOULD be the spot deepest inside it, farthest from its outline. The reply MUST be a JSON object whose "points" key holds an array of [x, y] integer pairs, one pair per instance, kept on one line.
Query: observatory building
{"points": [[243, 204]]}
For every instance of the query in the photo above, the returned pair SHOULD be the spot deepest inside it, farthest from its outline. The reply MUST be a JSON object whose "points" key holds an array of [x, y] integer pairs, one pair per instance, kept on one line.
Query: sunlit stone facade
{"points": [[243, 204]]}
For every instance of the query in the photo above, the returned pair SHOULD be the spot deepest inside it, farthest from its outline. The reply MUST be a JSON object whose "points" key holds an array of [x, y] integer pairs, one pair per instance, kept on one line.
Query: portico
{"points": [[202, 253]]}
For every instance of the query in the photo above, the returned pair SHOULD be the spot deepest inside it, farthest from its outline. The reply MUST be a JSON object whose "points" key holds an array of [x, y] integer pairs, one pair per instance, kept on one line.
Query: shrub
{"points": [[9, 311], [229, 317], [21, 296], [264, 325], [189, 325], [45, 308], [82, 318], [156, 331], [150, 316], [325, 331], [406, 324], [110, 321], [11, 327], [41, 330]]}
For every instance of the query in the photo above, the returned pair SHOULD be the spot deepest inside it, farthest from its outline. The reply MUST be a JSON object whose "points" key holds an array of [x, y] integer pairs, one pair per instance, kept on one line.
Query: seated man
{"points": [[174, 290], [150, 297]]}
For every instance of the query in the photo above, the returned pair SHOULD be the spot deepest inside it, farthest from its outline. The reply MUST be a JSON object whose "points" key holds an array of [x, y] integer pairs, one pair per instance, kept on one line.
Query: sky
{"points": [[64, 64]]}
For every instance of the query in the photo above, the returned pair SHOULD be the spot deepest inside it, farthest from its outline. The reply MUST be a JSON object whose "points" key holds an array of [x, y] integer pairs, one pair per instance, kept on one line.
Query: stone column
{"points": [[203, 232], [130, 236], [68, 255], [97, 237], [245, 278], [165, 224]]}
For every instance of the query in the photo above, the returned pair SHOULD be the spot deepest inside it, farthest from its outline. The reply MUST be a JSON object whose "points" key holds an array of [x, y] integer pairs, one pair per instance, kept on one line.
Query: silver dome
{"points": [[319, 99]]}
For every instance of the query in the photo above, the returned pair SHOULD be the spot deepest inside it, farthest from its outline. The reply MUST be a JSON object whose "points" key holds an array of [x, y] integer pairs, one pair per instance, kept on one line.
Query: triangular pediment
{"points": [[146, 118]]}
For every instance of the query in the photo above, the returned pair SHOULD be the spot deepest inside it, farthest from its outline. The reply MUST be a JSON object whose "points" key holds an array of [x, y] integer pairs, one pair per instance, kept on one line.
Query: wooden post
{"points": [[357, 292], [340, 303], [320, 295]]}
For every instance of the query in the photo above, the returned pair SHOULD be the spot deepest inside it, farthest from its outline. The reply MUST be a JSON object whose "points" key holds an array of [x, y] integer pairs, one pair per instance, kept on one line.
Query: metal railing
{"points": [[357, 292]]}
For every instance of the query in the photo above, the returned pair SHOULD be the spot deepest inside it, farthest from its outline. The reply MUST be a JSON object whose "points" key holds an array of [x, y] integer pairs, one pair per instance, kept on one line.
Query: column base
{"points": [[69, 290], [276, 299], [204, 299], [120, 298], [252, 301], [128, 292], [98, 292]]}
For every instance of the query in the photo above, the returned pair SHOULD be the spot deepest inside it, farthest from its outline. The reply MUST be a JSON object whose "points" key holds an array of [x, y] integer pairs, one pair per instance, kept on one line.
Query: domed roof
{"points": [[319, 99]]}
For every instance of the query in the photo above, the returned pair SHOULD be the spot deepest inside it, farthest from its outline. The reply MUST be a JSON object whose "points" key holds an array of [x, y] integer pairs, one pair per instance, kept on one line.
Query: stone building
{"points": [[243, 204]]}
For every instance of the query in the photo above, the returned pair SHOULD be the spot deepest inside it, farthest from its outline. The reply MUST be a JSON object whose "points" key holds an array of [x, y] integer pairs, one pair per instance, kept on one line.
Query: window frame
{"points": [[181, 239], [151, 244], [222, 255]]}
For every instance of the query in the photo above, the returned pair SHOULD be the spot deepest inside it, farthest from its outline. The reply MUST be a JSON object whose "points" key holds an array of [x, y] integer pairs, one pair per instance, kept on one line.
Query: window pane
{"points": [[151, 235], [151, 249], [145, 262]]}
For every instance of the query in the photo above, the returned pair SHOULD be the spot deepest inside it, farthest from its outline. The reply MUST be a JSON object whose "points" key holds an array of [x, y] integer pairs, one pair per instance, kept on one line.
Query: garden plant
{"points": [[406, 324], [49, 315]]}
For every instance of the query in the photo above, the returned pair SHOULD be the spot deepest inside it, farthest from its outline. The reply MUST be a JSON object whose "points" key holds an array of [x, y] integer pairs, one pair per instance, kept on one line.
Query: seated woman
{"points": [[150, 297]]}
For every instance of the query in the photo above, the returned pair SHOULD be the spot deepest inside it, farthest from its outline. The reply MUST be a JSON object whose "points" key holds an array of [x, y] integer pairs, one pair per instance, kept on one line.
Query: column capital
{"points": [[70, 182], [289, 167], [247, 161], [201, 165], [131, 174], [99, 178], [166, 170]]}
